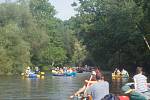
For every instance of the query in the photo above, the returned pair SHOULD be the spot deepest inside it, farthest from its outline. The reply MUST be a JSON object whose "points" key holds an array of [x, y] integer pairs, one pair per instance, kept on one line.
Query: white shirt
{"points": [[140, 83]]}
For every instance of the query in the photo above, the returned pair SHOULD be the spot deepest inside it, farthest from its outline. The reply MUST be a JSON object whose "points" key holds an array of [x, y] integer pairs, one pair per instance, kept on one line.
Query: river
{"points": [[49, 88]]}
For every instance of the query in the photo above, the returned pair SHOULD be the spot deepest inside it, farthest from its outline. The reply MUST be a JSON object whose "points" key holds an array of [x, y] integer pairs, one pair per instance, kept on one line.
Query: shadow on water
{"points": [[49, 88]]}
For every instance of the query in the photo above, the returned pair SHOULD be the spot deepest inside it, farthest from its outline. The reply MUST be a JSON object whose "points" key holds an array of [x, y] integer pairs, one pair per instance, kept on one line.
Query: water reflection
{"points": [[116, 85]]}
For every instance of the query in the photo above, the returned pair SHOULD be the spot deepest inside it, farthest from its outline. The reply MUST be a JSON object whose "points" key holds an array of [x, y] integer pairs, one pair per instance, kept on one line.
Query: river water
{"points": [[49, 88]]}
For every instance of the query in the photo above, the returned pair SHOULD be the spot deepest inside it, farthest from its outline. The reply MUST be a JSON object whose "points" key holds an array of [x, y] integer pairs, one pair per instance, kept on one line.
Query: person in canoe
{"points": [[96, 72], [98, 90], [27, 71], [88, 83], [124, 73], [117, 71], [140, 83], [37, 70]]}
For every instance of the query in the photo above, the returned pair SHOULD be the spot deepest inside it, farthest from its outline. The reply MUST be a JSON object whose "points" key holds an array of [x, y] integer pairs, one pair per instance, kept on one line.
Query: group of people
{"points": [[98, 88], [28, 71], [121, 73], [62, 70]]}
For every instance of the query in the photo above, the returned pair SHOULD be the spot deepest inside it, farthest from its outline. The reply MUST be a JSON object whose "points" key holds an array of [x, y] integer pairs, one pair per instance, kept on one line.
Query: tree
{"points": [[109, 30], [79, 53]]}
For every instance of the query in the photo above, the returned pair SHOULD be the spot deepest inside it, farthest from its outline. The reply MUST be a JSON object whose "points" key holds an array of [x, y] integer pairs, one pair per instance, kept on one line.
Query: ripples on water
{"points": [[49, 88]]}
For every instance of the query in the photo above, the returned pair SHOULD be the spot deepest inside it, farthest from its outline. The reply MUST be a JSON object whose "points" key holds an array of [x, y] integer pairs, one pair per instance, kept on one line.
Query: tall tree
{"points": [[109, 29]]}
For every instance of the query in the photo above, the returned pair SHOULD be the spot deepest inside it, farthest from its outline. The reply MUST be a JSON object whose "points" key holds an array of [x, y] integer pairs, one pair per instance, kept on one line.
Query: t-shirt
{"points": [[98, 90], [140, 83]]}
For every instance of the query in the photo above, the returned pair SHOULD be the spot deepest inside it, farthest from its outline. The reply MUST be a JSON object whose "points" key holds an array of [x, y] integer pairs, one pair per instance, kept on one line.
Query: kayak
{"points": [[134, 95]]}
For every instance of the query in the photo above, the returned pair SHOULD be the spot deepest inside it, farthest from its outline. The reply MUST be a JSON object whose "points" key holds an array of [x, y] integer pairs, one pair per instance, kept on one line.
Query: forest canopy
{"points": [[105, 33], [114, 31]]}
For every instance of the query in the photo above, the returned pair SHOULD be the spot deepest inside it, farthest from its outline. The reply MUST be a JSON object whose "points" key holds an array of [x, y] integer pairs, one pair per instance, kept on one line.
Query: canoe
{"points": [[119, 76], [134, 95], [64, 74], [58, 74], [71, 74], [107, 97], [81, 98], [79, 71], [33, 75]]}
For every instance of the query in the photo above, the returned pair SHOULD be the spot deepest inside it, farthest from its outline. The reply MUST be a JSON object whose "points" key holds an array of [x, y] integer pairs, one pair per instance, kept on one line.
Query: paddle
{"points": [[88, 83], [93, 73], [85, 87], [129, 91]]}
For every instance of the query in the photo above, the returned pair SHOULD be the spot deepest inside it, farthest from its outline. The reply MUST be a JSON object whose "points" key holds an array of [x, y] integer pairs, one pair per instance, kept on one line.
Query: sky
{"points": [[63, 8]]}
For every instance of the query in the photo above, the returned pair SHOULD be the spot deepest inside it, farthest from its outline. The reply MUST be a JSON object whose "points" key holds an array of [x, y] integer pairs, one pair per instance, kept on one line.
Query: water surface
{"points": [[49, 88]]}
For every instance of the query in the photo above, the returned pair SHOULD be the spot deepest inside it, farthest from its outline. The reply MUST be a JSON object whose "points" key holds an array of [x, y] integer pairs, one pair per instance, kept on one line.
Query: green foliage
{"points": [[32, 36], [55, 56], [14, 51], [106, 32], [110, 30], [79, 53], [42, 11]]}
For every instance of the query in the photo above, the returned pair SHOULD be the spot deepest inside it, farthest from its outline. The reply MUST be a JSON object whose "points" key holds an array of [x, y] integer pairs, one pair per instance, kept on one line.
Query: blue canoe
{"points": [[65, 74], [71, 74]]}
